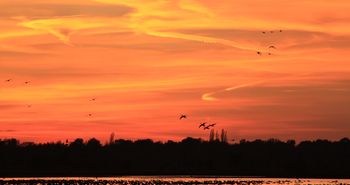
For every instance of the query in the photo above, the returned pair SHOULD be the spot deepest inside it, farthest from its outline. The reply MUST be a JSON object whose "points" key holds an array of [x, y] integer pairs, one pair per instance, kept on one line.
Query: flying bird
{"points": [[272, 47], [202, 125], [212, 125], [183, 116], [27, 82], [93, 99], [8, 80], [259, 53], [206, 128]]}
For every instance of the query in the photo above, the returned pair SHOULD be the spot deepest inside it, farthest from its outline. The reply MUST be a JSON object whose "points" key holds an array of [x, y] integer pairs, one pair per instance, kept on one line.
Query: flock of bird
{"points": [[10, 80], [28, 82], [207, 126], [203, 125], [271, 46]]}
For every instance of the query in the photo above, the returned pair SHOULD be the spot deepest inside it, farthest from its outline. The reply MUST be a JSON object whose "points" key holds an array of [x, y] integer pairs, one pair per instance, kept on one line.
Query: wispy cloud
{"points": [[7, 130], [44, 9]]}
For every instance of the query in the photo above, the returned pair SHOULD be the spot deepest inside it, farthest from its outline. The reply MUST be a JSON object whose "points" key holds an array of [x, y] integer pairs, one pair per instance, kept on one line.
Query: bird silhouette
{"points": [[202, 125], [206, 128], [259, 53], [183, 116], [212, 125], [272, 47], [93, 99], [27, 82], [8, 80]]}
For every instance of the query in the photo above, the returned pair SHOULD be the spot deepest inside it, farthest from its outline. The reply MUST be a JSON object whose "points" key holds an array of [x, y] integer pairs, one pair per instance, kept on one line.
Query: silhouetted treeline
{"points": [[271, 158]]}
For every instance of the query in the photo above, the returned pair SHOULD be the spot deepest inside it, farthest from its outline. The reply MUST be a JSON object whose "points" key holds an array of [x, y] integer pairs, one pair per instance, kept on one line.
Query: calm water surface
{"points": [[167, 180]]}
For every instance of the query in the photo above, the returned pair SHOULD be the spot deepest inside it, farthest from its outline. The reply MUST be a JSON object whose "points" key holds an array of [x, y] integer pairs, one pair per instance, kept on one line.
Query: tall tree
{"points": [[223, 136], [212, 135], [111, 138], [217, 137]]}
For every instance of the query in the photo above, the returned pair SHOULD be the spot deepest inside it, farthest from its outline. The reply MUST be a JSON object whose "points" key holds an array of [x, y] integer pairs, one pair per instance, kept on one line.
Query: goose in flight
{"points": [[202, 125], [8, 80], [212, 125], [206, 128], [183, 116], [272, 47]]}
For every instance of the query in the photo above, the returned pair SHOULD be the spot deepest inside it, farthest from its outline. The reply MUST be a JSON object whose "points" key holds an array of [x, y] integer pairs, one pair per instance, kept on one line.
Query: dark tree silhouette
{"points": [[111, 138], [212, 135], [270, 158], [223, 136]]}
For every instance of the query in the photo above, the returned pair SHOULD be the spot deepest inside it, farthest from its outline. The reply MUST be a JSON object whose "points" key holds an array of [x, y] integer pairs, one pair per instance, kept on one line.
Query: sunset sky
{"points": [[146, 62]]}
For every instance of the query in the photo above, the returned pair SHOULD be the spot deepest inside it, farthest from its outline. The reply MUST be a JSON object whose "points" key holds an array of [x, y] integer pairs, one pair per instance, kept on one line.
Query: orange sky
{"points": [[148, 61]]}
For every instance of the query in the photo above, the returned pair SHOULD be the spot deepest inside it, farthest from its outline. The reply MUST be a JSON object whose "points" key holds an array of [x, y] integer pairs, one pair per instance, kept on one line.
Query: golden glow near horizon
{"points": [[148, 61]]}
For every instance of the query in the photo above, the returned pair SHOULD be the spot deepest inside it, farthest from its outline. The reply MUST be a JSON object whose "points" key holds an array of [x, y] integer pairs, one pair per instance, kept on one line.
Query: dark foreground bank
{"points": [[171, 180], [271, 158]]}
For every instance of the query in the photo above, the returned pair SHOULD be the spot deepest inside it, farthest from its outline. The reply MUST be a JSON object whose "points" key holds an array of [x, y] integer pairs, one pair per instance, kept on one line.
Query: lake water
{"points": [[168, 180]]}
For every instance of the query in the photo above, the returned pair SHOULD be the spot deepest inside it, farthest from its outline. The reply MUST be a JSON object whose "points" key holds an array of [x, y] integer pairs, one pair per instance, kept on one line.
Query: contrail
{"points": [[210, 96], [204, 39], [243, 85]]}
